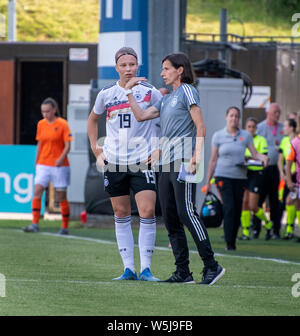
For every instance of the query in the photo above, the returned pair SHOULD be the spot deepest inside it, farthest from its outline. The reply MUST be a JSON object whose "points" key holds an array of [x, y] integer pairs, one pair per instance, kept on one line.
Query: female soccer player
{"points": [[181, 125], [54, 137], [254, 184], [289, 129], [126, 148]]}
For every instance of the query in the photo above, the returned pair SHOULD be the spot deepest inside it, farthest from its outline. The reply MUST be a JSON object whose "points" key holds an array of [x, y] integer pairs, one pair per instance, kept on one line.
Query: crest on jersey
{"points": [[106, 182], [174, 101], [137, 96]]}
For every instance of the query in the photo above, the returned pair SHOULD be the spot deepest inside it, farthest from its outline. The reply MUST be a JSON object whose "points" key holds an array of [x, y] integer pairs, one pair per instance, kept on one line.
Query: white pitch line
{"points": [[78, 237], [80, 282], [160, 248], [94, 283]]}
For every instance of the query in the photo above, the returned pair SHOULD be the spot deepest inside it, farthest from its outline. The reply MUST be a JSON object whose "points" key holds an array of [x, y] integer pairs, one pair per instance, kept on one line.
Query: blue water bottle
{"points": [[205, 211]]}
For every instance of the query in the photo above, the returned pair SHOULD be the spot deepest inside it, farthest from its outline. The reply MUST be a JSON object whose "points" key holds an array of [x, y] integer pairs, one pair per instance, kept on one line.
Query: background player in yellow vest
{"points": [[254, 182], [287, 202]]}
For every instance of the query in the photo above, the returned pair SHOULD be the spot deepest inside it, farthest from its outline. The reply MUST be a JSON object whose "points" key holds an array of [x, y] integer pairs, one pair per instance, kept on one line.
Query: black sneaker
{"points": [[230, 247], [288, 236], [255, 234], [210, 275], [177, 278], [268, 235], [244, 237]]}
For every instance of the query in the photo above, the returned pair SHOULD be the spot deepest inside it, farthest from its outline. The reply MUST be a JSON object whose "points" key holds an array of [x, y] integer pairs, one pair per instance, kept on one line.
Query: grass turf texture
{"points": [[56, 275], [246, 17]]}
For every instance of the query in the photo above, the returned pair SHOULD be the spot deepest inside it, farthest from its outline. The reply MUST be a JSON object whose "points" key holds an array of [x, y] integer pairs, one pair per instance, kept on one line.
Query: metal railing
{"points": [[234, 38]]}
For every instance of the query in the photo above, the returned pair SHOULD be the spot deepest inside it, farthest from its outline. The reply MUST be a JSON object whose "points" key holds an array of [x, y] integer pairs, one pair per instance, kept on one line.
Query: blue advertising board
{"points": [[17, 178]]}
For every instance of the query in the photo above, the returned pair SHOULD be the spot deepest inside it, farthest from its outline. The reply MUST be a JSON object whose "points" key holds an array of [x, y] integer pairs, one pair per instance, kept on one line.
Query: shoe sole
{"points": [[178, 282], [149, 280], [116, 279], [30, 231], [218, 277]]}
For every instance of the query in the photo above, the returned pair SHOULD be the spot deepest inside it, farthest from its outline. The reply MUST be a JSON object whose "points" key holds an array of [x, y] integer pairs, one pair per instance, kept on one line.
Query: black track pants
{"points": [[232, 191], [269, 189], [177, 205]]}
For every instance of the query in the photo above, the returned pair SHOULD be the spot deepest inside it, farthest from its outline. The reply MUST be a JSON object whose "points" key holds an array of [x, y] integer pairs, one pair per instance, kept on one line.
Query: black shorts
{"points": [[120, 183], [254, 181]]}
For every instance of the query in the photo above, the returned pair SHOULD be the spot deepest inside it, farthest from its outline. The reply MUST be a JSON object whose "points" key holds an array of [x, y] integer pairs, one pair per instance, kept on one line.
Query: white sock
{"points": [[125, 241], [147, 235]]}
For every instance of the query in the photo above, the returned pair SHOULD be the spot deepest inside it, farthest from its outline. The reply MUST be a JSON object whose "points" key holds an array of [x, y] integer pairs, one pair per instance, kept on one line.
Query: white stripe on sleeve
{"points": [[189, 94]]}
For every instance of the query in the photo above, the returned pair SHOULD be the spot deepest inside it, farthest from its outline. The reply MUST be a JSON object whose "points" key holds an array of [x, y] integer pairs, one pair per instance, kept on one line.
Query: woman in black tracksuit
{"points": [[182, 126]]}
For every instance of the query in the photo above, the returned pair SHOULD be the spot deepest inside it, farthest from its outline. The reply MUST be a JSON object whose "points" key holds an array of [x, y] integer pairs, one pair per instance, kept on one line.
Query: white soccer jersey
{"points": [[127, 140]]}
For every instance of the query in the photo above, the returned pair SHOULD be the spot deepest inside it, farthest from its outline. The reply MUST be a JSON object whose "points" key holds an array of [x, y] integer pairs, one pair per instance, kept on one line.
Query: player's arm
{"points": [[258, 156], [64, 153], [280, 165], [93, 137], [288, 168], [67, 138], [196, 115], [140, 114], [38, 151], [211, 166]]}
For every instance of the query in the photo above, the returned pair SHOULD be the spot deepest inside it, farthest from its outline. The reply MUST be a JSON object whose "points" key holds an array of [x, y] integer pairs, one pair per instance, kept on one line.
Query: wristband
{"points": [[128, 92]]}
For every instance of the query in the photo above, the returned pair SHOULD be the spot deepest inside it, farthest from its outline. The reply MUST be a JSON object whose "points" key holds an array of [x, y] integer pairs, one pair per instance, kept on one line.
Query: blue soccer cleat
{"points": [[127, 275], [33, 228], [64, 232], [146, 275]]}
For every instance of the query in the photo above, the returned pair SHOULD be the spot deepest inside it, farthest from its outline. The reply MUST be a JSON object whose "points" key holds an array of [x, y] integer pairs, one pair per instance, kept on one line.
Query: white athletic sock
{"points": [[147, 235], [125, 241]]}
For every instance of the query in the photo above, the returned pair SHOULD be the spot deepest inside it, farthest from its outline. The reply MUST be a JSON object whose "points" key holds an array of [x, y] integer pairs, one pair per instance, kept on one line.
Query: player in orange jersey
{"points": [[54, 140]]}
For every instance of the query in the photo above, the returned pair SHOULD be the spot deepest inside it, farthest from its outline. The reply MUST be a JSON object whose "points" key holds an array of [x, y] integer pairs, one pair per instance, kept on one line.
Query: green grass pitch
{"points": [[51, 275]]}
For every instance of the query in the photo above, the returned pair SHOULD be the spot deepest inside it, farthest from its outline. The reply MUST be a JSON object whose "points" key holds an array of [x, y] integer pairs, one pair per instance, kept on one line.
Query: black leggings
{"points": [[269, 189], [232, 191], [177, 205]]}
